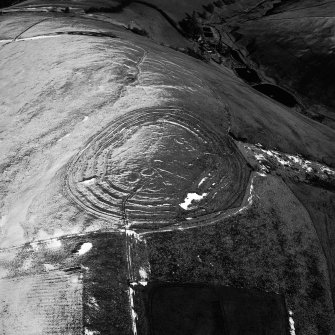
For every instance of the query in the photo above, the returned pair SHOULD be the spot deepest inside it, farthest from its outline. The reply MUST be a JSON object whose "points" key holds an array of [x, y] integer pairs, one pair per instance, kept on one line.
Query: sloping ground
{"points": [[66, 285], [55, 104], [174, 8], [294, 46], [312, 183], [73, 89], [271, 247], [320, 204], [287, 44], [148, 21], [141, 17], [82, 4], [10, 29], [38, 304]]}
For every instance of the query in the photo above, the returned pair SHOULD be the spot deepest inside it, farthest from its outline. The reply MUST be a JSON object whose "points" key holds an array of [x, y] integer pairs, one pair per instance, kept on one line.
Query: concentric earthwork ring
{"points": [[156, 167]]}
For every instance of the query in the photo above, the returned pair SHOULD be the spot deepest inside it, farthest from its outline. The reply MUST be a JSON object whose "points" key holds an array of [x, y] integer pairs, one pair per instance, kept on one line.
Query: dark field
{"points": [[188, 309]]}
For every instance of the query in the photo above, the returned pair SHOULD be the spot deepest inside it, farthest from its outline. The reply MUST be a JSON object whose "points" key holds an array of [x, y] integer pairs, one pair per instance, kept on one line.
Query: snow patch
{"points": [[328, 170], [91, 332], [144, 277], [62, 138], [295, 159], [75, 280], [35, 246], [85, 247], [190, 198], [89, 182], [141, 282], [49, 267], [3, 220], [93, 302], [260, 157], [54, 244], [133, 234], [27, 264], [288, 161], [143, 273]]}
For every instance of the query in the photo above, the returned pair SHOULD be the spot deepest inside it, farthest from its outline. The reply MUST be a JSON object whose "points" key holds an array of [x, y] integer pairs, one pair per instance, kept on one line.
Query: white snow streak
{"points": [[85, 247], [89, 182], [202, 181], [291, 321], [131, 294], [263, 157]]}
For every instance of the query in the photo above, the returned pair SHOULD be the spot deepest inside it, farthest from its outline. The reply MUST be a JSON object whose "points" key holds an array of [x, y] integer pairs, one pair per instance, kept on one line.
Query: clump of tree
{"points": [[191, 27], [218, 3], [198, 54], [209, 8], [139, 31]]}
